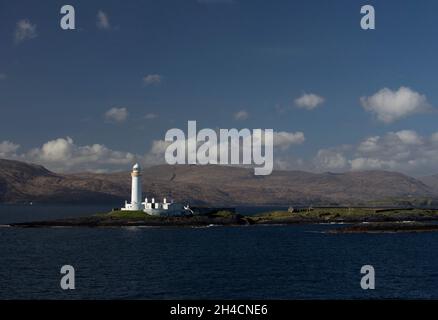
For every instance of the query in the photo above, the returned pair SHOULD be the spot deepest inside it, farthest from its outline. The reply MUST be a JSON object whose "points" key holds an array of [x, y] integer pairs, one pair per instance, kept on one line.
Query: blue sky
{"points": [[212, 59]]}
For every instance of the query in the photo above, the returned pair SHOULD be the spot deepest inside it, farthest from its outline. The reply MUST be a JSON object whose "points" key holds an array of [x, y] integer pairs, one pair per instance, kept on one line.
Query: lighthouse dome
{"points": [[136, 167]]}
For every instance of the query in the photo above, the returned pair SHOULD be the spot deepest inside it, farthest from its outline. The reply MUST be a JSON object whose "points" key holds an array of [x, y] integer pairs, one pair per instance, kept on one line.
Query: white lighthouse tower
{"points": [[136, 201], [153, 208], [136, 187]]}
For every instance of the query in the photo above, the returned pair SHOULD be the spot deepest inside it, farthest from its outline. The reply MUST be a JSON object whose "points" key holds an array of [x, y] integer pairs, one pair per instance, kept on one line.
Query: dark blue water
{"points": [[276, 262]]}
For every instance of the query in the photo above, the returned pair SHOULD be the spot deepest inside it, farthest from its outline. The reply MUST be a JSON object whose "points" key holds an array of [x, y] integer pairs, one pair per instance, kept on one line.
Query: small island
{"points": [[151, 213], [358, 219]]}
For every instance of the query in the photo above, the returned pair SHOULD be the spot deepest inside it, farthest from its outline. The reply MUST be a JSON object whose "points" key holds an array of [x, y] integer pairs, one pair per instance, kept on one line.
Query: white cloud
{"points": [[152, 79], [405, 151], [281, 140], [409, 137], [116, 114], [389, 106], [151, 116], [284, 140], [241, 115], [309, 101], [360, 164], [8, 149], [55, 150], [155, 155], [25, 30], [63, 155], [159, 147], [370, 144], [103, 21]]}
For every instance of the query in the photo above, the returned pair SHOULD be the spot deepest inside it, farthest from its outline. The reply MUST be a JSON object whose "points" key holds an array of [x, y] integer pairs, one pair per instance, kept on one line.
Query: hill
{"points": [[431, 181], [214, 185]]}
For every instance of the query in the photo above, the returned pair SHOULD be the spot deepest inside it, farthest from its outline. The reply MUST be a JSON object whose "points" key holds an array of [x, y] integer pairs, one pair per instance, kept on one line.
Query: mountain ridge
{"points": [[214, 185]]}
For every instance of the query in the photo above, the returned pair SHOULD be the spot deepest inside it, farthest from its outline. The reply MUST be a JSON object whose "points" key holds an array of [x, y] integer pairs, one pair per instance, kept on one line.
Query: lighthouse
{"points": [[136, 187], [153, 208], [136, 201]]}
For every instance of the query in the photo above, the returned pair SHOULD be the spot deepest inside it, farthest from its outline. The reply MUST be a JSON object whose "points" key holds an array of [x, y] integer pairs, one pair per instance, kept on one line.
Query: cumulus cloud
{"points": [[103, 21], [392, 151], [284, 140], [281, 141], [8, 149], [370, 144], [155, 155], [25, 30], [405, 151], [388, 105], [409, 137], [241, 115], [360, 164], [152, 79], [116, 115], [63, 155], [309, 101]]}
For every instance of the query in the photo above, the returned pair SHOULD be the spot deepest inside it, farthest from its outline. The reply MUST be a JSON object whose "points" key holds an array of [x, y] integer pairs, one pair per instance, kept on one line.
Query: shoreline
{"points": [[364, 220]]}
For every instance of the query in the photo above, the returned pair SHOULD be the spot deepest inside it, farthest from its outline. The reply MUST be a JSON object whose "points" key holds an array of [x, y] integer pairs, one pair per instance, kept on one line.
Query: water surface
{"points": [[258, 262]]}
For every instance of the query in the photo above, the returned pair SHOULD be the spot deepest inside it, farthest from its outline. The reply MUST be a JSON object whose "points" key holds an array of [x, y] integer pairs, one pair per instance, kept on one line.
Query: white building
{"points": [[152, 207]]}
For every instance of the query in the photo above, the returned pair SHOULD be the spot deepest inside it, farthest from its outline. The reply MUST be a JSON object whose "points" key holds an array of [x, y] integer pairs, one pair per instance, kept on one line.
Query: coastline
{"points": [[354, 221]]}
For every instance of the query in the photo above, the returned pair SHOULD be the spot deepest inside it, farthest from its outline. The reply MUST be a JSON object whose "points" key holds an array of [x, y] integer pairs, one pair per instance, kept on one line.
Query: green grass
{"points": [[318, 214], [346, 213], [137, 215], [222, 214]]}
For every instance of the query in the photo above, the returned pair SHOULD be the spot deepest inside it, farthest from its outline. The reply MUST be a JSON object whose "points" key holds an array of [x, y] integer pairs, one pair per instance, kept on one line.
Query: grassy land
{"points": [[349, 214], [226, 218], [131, 215], [222, 214], [316, 214], [302, 216], [141, 215]]}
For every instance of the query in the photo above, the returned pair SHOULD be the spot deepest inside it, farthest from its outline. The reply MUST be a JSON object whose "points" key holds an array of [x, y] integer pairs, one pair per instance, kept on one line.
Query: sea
{"points": [[245, 262]]}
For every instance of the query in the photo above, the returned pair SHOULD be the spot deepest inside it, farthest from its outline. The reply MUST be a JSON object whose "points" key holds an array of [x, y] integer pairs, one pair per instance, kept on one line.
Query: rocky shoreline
{"points": [[357, 220], [387, 227], [109, 221]]}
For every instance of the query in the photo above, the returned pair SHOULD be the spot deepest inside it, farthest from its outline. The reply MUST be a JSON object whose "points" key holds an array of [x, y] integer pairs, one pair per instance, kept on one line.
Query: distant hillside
{"points": [[431, 181], [214, 185], [22, 182]]}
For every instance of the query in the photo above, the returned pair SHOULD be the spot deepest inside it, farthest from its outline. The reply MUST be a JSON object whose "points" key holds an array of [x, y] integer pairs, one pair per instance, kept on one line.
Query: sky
{"points": [[102, 96]]}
